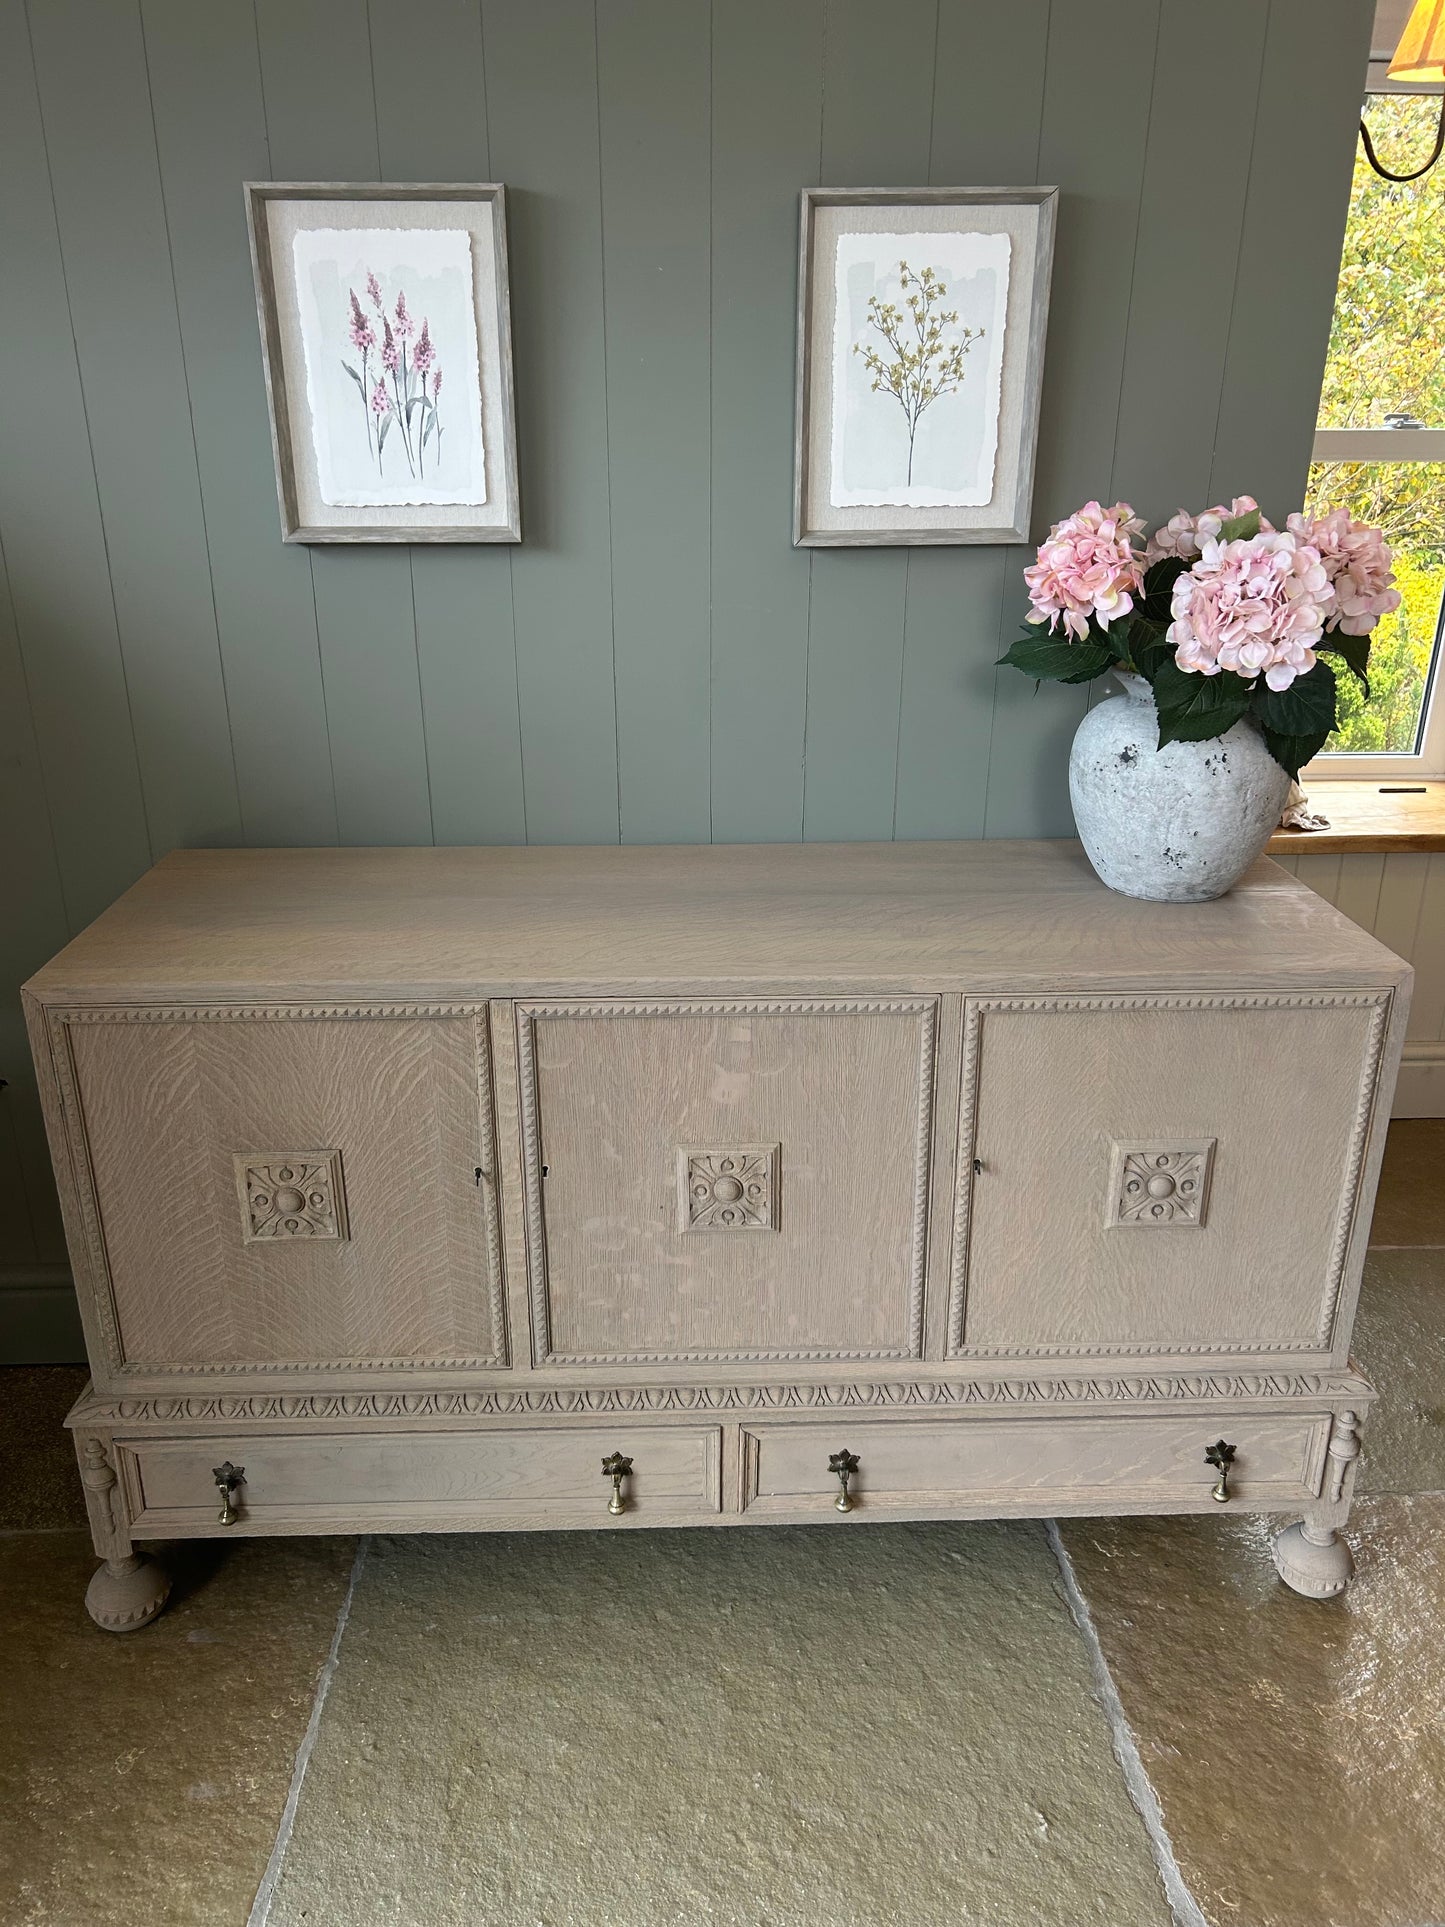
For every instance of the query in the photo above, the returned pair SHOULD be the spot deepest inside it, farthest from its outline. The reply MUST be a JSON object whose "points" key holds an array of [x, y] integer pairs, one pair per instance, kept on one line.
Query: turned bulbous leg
{"points": [[127, 1593], [1314, 1560]]}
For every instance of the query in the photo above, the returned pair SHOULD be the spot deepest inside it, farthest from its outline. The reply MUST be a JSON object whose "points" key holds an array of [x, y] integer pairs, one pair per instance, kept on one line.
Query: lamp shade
{"points": [[1421, 52]]}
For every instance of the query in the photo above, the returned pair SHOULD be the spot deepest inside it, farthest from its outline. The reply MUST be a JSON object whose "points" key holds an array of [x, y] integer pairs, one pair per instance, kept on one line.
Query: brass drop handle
{"points": [[1221, 1456], [617, 1467], [227, 1478], [843, 1465]]}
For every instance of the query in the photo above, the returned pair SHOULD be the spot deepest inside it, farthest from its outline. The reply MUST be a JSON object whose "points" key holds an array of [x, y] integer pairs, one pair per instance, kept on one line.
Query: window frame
{"points": [[1427, 764]]}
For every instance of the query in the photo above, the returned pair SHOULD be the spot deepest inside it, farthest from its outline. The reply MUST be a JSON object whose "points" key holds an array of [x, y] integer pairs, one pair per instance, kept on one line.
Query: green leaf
{"points": [[1051, 659], [1192, 708], [1148, 650], [1241, 528], [355, 377], [1159, 580], [1353, 652], [1293, 752], [1306, 708]]}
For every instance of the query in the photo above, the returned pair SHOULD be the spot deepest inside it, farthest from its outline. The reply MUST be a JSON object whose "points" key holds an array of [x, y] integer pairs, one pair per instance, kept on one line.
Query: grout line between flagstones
{"points": [[266, 1893], [1182, 1904]]}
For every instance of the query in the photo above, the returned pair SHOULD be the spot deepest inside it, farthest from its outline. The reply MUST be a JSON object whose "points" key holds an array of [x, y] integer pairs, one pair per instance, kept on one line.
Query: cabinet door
{"points": [[726, 1181], [1160, 1175], [275, 1188]]}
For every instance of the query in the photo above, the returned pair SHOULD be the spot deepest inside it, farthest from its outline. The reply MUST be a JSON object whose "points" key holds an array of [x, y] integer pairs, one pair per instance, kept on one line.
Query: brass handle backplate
{"points": [[227, 1478], [617, 1467], [1221, 1456], [843, 1465]]}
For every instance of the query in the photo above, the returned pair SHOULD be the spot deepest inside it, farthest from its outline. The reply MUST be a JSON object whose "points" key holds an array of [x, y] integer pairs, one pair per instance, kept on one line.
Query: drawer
{"points": [[1032, 1467], [421, 1481]]}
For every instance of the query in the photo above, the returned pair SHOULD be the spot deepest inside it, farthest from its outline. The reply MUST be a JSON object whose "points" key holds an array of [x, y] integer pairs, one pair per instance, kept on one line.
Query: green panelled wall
{"points": [[656, 661]]}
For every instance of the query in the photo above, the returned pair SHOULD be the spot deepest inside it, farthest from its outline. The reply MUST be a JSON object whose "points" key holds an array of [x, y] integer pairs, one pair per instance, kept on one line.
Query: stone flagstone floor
{"points": [[1126, 1722]]}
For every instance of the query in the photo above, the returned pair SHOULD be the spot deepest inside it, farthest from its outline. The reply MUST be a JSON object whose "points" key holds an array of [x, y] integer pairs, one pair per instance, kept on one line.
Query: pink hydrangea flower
{"points": [[1357, 563], [424, 353], [1255, 607], [380, 401], [1087, 568], [1184, 534], [405, 326], [360, 330]]}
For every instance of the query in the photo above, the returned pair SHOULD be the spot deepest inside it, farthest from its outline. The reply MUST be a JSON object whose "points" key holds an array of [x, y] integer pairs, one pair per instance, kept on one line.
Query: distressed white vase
{"points": [[1180, 824]]}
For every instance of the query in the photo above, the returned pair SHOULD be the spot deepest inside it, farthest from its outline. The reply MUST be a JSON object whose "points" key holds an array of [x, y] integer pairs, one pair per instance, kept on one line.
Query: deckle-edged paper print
{"points": [[918, 340], [393, 384]]}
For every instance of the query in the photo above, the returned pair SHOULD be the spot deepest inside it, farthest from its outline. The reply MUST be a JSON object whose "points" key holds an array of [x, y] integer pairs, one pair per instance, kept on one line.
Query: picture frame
{"points": [[922, 316], [386, 345]]}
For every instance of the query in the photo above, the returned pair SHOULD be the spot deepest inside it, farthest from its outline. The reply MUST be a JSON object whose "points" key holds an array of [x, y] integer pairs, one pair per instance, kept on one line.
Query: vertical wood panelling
{"points": [[987, 113], [1397, 913], [877, 120], [542, 99], [1358, 894], [767, 120], [1200, 129], [656, 223], [429, 73], [1427, 1008], [1311, 81], [51, 526], [210, 127], [94, 96], [32, 927], [321, 123], [1100, 175]]}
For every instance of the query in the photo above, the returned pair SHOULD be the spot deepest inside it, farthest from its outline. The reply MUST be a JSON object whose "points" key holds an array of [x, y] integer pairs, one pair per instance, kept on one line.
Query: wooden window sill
{"points": [[1362, 819]]}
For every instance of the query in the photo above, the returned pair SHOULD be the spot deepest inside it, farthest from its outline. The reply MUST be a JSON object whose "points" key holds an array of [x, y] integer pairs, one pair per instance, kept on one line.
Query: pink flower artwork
{"points": [[408, 402]]}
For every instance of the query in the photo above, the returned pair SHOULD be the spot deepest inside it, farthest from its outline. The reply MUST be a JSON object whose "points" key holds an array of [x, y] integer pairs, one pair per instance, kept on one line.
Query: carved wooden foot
{"points": [[1314, 1560], [127, 1593]]}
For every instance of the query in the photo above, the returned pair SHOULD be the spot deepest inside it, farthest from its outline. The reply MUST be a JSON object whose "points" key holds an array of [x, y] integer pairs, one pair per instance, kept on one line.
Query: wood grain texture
{"points": [[1052, 1086], [612, 1093], [922, 1468], [460, 925], [158, 1115], [1366, 818], [500, 1479]]}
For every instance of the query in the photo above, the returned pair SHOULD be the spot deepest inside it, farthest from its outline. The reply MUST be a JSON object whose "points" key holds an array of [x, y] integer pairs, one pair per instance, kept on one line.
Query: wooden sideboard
{"points": [[451, 1190]]}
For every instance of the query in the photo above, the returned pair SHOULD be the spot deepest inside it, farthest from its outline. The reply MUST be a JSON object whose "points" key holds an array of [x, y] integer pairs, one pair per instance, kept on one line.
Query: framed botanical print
{"points": [[387, 344], [921, 322]]}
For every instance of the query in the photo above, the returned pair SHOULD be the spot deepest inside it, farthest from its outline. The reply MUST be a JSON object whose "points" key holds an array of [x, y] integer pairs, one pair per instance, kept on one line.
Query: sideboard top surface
{"points": [[771, 919]]}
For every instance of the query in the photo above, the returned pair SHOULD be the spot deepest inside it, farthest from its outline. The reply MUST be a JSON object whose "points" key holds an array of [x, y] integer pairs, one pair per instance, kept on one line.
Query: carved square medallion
{"points": [[734, 1189], [1165, 1182], [290, 1194]]}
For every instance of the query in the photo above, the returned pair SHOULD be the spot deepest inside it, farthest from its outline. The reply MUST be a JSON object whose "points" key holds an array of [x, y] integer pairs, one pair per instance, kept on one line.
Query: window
{"points": [[1380, 443]]}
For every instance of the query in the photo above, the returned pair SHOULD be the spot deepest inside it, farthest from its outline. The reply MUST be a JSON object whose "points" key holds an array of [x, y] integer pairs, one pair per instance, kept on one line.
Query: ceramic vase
{"points": [[1180, 824]]}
